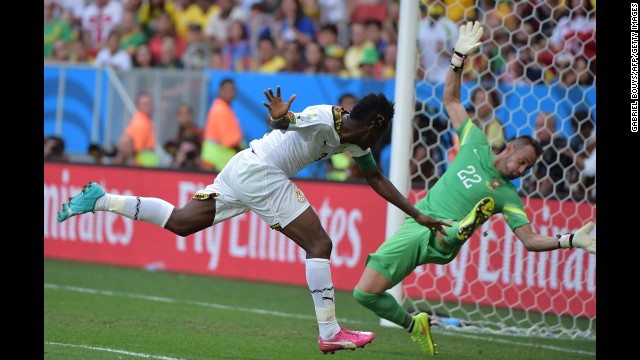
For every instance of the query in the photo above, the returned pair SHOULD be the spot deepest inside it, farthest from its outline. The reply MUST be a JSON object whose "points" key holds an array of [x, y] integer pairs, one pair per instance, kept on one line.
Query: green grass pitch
{"points": [[105, 312]]}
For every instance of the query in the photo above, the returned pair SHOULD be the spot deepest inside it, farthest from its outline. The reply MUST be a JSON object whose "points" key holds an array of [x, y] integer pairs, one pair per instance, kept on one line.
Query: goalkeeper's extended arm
{"points": [[468, 42], [581, 239]]}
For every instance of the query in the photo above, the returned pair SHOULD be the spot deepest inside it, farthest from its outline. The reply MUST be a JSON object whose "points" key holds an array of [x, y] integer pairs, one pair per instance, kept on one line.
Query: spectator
{"points": [[187, 155], [314, 58], [187, 127], [236, 52], [584, 76], [132, 35], [198, 52], [169, 58], [483, 107], [99, 19], [549, 175], [541, 14], [54, 149], [164, 27], [292, 57], [54, 29], [73, 9], [293, 25], [576, 32], [222, 133], [199, 12], [215, 60], [369, 63], [427, 157], [365, 10], [150, 11], [335, 13], [563, 70], [78, 52], [436, 39], [125, 152], [583, 126], [586, 186], [143, 59], [460, 10], [354, 52], [112, 55], [269, 61], [373, 33], [328, 35], [142, 132], [390, 60], [60, 52], [220, 22], [340, 167], [259, 23], [333, 60]]}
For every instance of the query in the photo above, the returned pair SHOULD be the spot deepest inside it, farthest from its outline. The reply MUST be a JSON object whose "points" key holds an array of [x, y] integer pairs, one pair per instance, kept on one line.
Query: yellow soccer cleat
{"points": [[421, 334], [480, 213]]}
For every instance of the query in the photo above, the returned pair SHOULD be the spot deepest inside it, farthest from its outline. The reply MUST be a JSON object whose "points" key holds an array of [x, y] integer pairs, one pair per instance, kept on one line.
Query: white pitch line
{"points": [[123, 352], [289, 315], [503, 341]]}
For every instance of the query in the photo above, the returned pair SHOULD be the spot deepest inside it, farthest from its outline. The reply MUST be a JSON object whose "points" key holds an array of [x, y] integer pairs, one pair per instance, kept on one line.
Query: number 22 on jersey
{"points": [[469, 176]]}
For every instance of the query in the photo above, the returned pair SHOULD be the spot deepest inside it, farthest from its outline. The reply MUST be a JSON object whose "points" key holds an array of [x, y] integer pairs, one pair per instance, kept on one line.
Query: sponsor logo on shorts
{"points": [[300, 196]]}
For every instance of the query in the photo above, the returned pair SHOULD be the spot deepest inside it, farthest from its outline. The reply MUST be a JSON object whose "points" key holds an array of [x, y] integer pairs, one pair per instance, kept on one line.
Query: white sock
{"points": [[151, 210], [319, 281]]}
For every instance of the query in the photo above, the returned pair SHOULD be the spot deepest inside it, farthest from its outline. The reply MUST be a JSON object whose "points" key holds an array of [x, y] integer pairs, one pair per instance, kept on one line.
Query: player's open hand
{"points": [[277, 108], [583, 238], [435, 225]]}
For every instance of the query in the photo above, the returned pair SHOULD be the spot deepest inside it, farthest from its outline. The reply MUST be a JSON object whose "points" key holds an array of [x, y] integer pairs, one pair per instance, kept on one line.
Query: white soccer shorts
{"points": [[248, 183]]}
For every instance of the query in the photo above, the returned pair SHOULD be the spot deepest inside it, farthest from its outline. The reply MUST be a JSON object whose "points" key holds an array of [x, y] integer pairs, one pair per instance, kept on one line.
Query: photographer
{"points": [[187, 155]]}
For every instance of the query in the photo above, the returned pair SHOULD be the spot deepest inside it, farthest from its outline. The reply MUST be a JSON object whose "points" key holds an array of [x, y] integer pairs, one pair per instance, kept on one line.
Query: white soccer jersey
{"points": [[312, 137]]}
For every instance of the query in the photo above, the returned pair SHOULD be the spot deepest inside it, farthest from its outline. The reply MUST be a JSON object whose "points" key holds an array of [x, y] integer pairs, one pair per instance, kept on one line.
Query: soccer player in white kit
{"points": [[258, 179]]}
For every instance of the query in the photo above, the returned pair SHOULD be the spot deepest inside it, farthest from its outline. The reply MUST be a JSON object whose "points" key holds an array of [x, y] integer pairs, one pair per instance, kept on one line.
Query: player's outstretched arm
{"points": [[535, 242], [278, 109], [468, 42], [385, 188]]}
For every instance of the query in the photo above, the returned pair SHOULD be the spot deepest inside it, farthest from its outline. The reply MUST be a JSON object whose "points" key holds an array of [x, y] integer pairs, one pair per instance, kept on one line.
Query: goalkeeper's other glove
{"points": [[468, 42], [581, 239]]}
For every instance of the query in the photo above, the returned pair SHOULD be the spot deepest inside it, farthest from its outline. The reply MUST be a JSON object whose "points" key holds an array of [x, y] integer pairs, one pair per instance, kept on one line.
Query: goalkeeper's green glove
{"points": [[468, 42], [581, 239]]}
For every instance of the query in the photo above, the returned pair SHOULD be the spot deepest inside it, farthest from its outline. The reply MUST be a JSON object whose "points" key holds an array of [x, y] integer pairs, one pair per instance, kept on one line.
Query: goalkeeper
{"points": [[475, 187]]}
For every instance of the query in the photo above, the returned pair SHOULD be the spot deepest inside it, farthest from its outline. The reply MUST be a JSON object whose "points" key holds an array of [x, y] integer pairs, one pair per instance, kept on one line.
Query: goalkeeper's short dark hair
{"points": [[525, 140]]}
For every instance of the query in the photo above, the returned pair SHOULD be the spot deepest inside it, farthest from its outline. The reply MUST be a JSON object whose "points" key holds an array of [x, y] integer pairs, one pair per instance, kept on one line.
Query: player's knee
{"points": [[365, 299], [321, 247]]}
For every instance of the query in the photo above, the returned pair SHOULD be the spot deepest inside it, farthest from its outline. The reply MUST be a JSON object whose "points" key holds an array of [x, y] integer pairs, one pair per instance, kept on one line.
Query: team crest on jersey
{"points": [[340, 149], [300, 196], [494, 184]]}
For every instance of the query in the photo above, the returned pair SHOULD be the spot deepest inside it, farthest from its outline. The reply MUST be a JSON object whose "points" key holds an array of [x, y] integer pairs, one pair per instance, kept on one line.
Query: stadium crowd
{"points": [[530, 41], [526, 42]]}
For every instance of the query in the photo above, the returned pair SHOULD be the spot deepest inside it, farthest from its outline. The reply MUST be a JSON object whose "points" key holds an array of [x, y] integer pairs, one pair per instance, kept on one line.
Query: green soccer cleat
{"points": [[480, 213], [81, 203], [421, 334]]}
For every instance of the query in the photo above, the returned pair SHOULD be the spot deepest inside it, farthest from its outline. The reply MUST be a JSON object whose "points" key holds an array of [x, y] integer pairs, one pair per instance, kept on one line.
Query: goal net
{"points": [[534, 74]]}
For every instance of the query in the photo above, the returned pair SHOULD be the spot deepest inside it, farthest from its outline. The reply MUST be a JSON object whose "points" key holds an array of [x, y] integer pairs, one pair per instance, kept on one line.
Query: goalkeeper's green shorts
{"points": [[410, 246]]}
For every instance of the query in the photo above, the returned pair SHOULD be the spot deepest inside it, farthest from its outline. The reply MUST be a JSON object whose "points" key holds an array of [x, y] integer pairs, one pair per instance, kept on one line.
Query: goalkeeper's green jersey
{"points": [[471, 177]]}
